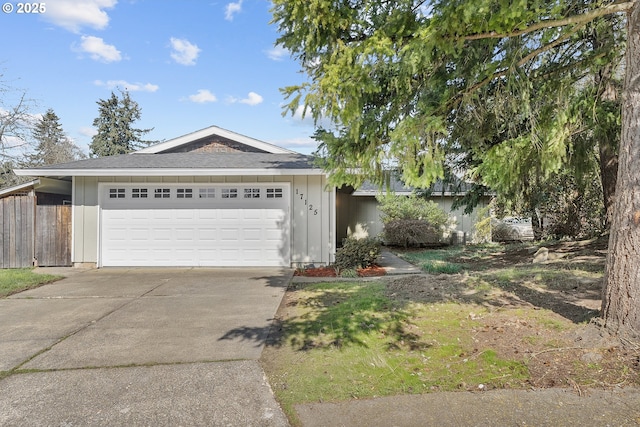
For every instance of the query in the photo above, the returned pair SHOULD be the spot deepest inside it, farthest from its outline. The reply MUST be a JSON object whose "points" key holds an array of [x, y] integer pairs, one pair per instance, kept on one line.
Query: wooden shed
{"points": [[35, 224]]}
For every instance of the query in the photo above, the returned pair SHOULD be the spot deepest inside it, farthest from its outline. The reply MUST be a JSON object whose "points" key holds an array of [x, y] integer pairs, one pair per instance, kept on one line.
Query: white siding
{"points": [[313, 221]]}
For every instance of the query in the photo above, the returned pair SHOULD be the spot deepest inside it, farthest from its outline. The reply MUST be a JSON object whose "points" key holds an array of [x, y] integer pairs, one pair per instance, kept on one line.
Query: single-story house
{"points": [[208, 198], [213, 198]]}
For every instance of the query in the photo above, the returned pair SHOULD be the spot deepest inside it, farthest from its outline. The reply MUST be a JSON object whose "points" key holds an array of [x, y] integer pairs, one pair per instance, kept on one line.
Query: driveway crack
{"points": [[127, 302]]}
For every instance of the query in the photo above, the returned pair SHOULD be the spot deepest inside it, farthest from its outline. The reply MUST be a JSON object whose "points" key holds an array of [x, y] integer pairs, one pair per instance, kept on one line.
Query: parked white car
{"points": [[511, 228]]}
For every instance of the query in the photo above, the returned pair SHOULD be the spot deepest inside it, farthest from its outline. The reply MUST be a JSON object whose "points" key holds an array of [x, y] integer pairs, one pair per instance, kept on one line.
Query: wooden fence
{"points": [[16, 213], [53, 235], [29, 231]]}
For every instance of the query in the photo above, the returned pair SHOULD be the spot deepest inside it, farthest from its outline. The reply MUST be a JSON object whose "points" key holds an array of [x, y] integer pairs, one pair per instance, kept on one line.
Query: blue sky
{"points": [[189, 64]]}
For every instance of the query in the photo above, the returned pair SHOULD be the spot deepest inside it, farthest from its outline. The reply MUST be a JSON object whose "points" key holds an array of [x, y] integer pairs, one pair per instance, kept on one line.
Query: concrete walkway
{"points": [[141, 347], [395, 265], [540, 408]]}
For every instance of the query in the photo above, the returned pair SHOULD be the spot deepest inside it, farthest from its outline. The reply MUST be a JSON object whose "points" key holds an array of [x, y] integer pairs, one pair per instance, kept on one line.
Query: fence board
{"points": [[53, 235], [16, 219]]}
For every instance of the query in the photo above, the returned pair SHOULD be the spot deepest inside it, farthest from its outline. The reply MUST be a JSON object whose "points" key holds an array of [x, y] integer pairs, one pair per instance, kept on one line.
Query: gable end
{"points": [[215, 144]]}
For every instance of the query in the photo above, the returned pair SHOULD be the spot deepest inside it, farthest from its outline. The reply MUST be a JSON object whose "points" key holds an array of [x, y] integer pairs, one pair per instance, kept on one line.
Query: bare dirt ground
{"points": [[548, 319]]}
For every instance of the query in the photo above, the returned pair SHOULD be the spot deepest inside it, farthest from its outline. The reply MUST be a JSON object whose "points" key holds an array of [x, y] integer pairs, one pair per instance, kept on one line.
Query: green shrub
{"points": [[411, 232], [394, 207], [357, 253], [412, 220]]}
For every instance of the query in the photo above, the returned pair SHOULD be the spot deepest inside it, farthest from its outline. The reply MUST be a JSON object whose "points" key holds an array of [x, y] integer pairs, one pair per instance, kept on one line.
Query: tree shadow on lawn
{"points": [[561, 291], [335, 317]]}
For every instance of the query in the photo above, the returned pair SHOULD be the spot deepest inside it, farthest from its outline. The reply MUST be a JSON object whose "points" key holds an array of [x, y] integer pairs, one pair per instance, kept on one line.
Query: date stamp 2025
{"points": [[24, 8]]}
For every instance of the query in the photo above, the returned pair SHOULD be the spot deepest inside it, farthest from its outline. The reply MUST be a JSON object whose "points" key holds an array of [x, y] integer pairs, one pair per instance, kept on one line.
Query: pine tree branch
{"points": [[572, 20], [524, 60]]}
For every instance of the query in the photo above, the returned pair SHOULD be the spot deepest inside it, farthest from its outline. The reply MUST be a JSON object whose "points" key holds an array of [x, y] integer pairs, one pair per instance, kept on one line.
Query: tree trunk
{"points": [[621, 293], [608, 172]]}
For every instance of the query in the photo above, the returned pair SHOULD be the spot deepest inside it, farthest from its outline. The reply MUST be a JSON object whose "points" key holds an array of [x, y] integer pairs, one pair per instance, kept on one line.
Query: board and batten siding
{"points": [[312, 214], [313, 221]]}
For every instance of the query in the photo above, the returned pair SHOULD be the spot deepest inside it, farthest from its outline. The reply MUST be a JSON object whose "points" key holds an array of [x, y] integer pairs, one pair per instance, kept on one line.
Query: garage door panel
{"points": [[141, 234], [207, 214], [194, 231], [158, 214], [119, 215], [253, 214], [229, 255], [137, 255], [118, 234], [208, 234], [139, 215], [273, 214], [253, 255], [232, 214], [270, 253], [252, 234], [183, 255], [160, 234], [186, 214], [186, 234]]}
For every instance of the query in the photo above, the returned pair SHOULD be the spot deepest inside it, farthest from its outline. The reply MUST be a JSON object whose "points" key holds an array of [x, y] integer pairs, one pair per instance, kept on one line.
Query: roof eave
{"points": [[165, 172], [19, 187], [359, 193], [408, 193]]}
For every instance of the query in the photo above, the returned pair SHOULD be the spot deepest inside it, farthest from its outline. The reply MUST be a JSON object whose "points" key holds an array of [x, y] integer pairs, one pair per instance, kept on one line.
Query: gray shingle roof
{"points": [[190, 161], [458, 187]]}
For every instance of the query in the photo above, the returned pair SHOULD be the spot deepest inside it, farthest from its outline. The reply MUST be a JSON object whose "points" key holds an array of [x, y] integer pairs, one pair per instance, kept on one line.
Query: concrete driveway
{"points": [[141, 347]]}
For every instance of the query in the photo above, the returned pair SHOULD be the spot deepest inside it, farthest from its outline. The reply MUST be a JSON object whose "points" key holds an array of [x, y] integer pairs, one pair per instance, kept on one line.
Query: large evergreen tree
{"points": [[116, 134], [52, 144], [418, 84]]}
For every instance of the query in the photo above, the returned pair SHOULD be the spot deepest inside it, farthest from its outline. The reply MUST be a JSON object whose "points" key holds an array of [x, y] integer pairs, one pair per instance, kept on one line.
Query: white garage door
{"points": [[194, 225]]}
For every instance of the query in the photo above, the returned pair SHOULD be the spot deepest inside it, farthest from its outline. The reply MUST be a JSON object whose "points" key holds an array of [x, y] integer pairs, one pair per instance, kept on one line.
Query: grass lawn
{"points": [[485, 317], [16, 280], [351, 340], [453, 259]]}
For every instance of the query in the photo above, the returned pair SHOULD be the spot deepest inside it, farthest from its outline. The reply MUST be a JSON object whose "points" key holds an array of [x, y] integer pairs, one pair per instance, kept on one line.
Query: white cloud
{"points": [[203, 96], [184, 52], [303, 117], [302, 145], [75, 14], [99, 50], [251, 99], [303, 114], [88, 131], [131, 87], [232, 9], [278, 53]]}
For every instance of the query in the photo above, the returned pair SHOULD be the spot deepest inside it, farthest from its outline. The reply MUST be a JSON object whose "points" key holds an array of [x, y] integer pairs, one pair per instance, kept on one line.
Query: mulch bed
{"points": [[372, 271]]}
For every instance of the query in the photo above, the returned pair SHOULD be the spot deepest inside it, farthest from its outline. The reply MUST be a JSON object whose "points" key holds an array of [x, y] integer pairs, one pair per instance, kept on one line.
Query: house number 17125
{"points": [[298, 193]]}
